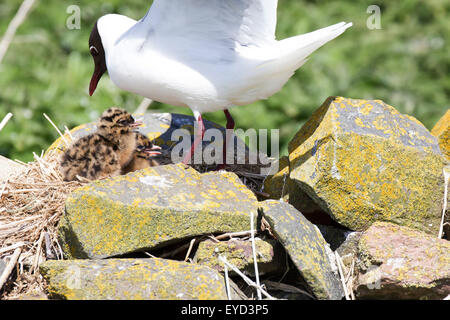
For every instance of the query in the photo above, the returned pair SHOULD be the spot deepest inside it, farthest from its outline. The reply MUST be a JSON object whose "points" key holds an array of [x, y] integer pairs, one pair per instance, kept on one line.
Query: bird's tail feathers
{"points": [[294, 51], [292, 54]]}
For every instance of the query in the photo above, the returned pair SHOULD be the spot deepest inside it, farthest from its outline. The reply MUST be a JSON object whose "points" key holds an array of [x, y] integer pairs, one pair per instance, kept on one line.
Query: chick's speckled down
{"points": [[105, 152]]}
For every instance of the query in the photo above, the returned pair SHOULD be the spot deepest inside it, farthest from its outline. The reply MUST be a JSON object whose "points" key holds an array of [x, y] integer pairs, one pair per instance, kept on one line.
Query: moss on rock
{"points": [[307, 248], [132, 279], [151, 208], [362, 161]]}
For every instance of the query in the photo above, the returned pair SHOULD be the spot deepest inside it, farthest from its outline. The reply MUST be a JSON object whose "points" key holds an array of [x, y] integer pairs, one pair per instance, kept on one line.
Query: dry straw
{"points": [[31, 204], [249, 281], [5, 121]]}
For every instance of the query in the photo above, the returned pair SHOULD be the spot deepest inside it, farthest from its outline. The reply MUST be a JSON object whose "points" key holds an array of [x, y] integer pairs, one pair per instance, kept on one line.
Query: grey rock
{"points": [[152, 208], [306, 247], [363, 161], [132, 279]]}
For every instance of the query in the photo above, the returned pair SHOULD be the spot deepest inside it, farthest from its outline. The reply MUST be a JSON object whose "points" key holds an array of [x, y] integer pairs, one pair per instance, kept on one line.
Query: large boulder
{"points": [[362, 161], [306, 247], [132, 279], [152, 208], [396, 262]]}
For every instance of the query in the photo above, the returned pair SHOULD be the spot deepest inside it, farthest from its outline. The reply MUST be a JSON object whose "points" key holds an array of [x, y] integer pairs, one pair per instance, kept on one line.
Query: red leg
{"points": [[230, 126], [198, 140]]}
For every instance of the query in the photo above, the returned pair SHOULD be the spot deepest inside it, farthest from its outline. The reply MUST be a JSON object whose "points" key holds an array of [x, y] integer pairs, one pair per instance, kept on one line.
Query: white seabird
{"points": [[207, 55]]}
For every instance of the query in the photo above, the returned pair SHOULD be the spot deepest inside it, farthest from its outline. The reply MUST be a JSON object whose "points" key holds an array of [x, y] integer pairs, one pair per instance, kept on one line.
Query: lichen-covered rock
{"points": [[362, 161], [269, 255], [442, 131], [306, 247], [279, 185], [397, 262], [152, 208], [132, 279]]}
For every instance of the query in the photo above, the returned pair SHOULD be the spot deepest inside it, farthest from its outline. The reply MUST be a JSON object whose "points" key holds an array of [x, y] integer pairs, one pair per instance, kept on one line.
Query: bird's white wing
{"points": [[225, 24]]}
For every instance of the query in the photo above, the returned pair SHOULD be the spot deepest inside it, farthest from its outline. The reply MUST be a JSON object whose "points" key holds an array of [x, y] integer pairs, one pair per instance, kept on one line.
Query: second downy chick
{"points": [[143, 154]]}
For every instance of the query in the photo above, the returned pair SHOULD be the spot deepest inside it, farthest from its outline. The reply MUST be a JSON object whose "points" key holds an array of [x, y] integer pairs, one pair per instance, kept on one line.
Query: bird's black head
{"points": [[98, 54]]}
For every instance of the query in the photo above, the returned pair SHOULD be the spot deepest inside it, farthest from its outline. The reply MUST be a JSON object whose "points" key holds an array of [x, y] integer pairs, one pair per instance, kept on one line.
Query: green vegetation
{"points": [[48, 67]]}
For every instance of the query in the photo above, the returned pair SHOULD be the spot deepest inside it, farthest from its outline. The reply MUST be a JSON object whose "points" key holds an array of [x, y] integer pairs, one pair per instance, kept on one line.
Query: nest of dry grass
{"points": [[31, 204]]}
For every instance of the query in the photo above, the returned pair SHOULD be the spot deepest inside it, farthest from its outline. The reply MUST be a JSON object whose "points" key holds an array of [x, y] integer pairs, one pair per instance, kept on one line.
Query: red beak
{"points": [[94, 82]]}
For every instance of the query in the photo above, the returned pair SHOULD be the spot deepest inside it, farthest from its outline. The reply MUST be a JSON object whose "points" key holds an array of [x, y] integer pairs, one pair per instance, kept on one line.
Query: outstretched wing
{"points": [[225, 24]]}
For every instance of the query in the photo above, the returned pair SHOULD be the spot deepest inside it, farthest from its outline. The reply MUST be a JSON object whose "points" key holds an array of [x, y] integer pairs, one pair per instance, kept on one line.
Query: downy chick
{"points": [[104, 153], [143, 154], [117, 125]]}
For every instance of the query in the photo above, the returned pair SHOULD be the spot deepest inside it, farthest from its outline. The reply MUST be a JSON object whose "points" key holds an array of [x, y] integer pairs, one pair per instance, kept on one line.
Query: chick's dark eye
{"points": [[93, 51]]}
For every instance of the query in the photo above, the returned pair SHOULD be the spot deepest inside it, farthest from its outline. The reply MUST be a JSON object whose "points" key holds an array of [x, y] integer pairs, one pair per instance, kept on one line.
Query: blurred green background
{"points": [[48, 67]]}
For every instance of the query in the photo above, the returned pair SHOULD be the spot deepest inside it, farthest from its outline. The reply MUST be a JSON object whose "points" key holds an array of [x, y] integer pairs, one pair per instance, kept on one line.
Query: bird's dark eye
{"points": [[140, 148], [93, 51]]}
